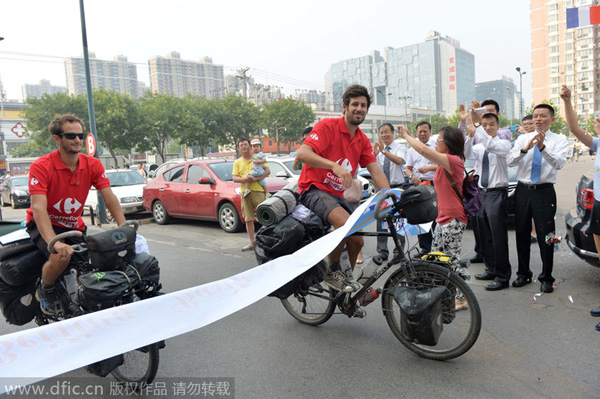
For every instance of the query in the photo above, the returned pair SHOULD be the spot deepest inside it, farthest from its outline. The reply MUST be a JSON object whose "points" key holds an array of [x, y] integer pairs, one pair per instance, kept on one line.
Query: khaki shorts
{"points": [[250, 202]]}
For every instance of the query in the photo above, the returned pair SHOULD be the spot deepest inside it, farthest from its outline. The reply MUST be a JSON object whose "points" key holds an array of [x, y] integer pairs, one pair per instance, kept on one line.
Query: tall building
{"points": [[118, 75], [38, 90], [436, 74], [560, 56], [317, 100], [172, 75], [504, 91]]}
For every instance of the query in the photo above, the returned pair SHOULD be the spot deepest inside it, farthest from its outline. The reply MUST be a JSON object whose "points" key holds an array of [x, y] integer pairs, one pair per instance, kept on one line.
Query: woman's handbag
{"points": [[471, 198]]}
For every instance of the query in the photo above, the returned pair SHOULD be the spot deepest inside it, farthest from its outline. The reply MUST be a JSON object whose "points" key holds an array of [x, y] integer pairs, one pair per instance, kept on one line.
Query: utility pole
{"points": [[405, 98], [241, 74]]}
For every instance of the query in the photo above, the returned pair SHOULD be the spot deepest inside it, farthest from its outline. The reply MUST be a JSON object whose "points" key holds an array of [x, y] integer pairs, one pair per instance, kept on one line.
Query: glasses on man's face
{"points": [[71, 136]]}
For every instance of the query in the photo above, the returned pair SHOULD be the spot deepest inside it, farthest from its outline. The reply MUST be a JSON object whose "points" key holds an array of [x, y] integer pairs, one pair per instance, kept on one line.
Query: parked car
{"points": [[164, 166], [281, 167], [127, 185], [199, 189], [15, 191], [579, 234]]}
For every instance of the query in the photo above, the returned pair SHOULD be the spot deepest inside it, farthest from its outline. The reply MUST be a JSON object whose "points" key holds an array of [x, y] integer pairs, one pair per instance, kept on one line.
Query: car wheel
{"points": [[2, 202], [229, 219], [160, 213], [372, 188], [12, 203]]}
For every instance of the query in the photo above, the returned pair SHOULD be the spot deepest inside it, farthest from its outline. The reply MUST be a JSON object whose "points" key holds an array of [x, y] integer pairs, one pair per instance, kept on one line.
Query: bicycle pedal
{"points": [[360, 313]]}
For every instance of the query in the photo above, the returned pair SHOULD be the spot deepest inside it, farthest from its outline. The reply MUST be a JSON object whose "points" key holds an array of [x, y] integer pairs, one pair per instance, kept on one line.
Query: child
{"points": [[258, 160]]}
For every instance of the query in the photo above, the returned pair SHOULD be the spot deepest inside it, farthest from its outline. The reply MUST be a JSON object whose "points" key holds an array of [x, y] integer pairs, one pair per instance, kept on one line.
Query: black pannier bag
{"points": [[16, 247], [112, 249], [419, 204], [287, 237], [148, 269], [22, 267], [18, 304], [102, 290], [420, 313]]}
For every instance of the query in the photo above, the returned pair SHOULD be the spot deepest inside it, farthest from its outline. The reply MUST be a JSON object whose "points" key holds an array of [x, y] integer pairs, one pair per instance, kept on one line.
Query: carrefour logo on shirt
{"points": [[345, 164], [67, 206]]}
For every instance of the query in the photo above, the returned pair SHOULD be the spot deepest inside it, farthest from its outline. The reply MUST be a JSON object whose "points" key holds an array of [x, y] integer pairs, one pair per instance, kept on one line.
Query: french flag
{"points": [[582, 16]]}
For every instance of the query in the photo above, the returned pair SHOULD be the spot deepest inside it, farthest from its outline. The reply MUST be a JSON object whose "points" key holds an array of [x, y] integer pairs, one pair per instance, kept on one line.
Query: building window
{"points": [[554, 60], [554, 90], [553, 18], [569, 46], [553, 7], [553, 38], [554, 80], [553, 28], [554, 49]]}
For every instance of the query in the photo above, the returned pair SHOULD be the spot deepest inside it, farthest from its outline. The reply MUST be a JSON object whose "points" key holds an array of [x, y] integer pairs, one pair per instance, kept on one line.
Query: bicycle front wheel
{"points": [[312, 306], [139, 367], [460, 327]]}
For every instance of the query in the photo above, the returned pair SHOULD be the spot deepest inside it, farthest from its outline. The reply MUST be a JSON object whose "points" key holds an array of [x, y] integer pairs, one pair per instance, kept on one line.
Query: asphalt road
{"points": [[527, 349]]}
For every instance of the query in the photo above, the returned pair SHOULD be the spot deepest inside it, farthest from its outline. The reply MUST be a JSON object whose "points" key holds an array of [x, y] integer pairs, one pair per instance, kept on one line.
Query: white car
{"points": [[282, 167], [127, 185]]}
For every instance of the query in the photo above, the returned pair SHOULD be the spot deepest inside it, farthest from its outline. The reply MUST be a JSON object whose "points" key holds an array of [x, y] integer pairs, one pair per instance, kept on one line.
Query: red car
{"points": [[202, 189]]}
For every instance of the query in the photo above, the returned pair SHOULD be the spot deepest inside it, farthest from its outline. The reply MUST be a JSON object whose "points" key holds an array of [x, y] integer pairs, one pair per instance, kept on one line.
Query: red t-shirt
{"points": [[331, 139], [66, 192], [449, 205]]}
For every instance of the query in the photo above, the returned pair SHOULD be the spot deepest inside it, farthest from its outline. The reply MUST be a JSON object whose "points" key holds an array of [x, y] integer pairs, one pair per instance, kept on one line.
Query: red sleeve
{"points": [[99, 179], [320, 138], [38, 179]]}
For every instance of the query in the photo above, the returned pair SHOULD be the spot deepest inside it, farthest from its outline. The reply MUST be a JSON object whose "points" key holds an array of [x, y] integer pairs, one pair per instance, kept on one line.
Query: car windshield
{"points": [[130, 178], [223, 170], [19, 181], [288, 164]]}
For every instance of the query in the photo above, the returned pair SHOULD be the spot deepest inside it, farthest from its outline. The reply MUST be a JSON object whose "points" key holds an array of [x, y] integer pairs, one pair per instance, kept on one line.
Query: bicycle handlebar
{"points": [[62, 236], [133, 223], [385, 196]]}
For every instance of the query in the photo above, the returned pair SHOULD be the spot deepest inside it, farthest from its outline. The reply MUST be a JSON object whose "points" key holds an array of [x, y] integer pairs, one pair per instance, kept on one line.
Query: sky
{"points": [[286, 44]]}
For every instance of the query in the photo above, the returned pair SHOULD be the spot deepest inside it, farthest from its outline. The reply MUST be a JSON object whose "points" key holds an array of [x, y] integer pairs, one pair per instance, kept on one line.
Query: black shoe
{"points": [[48, 298], [485, 276], [476, 259], [595, 312], [496, 286], [521, 282], [547, 287]]}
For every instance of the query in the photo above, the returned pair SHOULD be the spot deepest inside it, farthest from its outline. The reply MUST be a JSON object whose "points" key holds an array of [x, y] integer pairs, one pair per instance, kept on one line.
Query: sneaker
{"points": [[338, 281], [249, 247], [48, 299]]}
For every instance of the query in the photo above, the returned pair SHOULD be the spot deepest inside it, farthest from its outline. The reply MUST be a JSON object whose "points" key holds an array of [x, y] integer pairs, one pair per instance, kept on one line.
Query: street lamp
{"points": [[384, 105], [405, 98], [521, 73], [431, 107]]}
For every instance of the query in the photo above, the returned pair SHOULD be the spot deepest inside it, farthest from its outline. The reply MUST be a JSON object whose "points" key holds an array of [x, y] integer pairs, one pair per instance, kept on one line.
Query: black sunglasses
{"points": [[71, 136]]}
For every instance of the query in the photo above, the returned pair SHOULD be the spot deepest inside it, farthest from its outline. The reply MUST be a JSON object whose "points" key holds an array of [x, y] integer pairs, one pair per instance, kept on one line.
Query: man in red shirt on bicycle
{"points": [[331, 154], [59, 184]]}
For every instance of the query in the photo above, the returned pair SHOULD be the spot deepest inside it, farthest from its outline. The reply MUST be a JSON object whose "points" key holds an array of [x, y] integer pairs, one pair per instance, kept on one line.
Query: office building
{"points": [[317, 100], [504, 91], [564, 56], [118, 75], [38, 90], [436, 74], [172, 75]]}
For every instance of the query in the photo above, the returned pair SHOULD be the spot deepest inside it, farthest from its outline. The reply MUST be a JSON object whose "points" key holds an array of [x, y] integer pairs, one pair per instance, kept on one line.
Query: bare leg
{"points": [[53, 268], [337, 218], [250, 231]]}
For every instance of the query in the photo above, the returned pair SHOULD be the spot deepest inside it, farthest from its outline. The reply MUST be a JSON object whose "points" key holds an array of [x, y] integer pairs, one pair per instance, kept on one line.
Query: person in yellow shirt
{"points": [[241, 174]]}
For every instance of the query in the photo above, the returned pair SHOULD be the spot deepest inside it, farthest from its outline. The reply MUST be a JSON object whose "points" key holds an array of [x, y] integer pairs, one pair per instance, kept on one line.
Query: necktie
{"points": [[536, 165], [386, 165], [485, 170]]}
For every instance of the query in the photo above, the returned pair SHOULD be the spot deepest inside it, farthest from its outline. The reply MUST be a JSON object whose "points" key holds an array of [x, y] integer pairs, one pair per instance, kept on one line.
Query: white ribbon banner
{"points": [[33, 355]]}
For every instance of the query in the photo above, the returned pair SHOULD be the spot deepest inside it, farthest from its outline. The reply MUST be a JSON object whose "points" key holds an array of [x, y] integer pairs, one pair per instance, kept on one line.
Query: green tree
{"points": [[436, 121], [289, 118], [160, 120], [200, 120], [236, 118], [589, 125], [39, 112], [559, 125], [117, 117]]}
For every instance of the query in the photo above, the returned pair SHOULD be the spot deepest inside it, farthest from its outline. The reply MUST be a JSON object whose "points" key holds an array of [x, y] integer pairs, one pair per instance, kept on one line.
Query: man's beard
{"points": [[356, 123]]}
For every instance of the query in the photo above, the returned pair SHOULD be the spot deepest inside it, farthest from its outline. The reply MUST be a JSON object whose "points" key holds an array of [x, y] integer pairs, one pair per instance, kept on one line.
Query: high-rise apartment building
{"points": [[172, 75], [118, 75], [38, 90], [436, 74], [504, 92], [560, 56]]}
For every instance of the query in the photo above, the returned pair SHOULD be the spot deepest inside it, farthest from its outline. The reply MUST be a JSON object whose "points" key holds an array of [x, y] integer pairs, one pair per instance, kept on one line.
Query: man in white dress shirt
{"points": [[539, 155], [492, 168], [390, 156], [419, 169]]}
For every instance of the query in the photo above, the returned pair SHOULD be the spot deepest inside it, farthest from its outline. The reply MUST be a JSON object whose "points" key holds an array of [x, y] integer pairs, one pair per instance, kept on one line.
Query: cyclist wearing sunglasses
{"points": [[59, 183]]}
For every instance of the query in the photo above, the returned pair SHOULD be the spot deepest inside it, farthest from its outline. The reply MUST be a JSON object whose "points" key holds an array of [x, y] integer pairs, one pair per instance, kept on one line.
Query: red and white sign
{"points": [[91, 144], [19, 129]]}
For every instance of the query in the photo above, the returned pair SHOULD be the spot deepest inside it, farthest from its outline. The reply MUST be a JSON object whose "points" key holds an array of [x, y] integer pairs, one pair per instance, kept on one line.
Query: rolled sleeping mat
{"points": [[281, 204]]}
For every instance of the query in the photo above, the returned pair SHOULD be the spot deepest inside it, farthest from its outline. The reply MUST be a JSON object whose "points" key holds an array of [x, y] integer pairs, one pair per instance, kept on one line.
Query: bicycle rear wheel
{"points": [[139, 367], [312, 306], [460, 328]]}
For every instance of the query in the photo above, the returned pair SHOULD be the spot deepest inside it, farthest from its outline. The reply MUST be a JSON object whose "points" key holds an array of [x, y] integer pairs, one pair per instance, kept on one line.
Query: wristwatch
{"points": [[476, 124], [383, 150]]}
